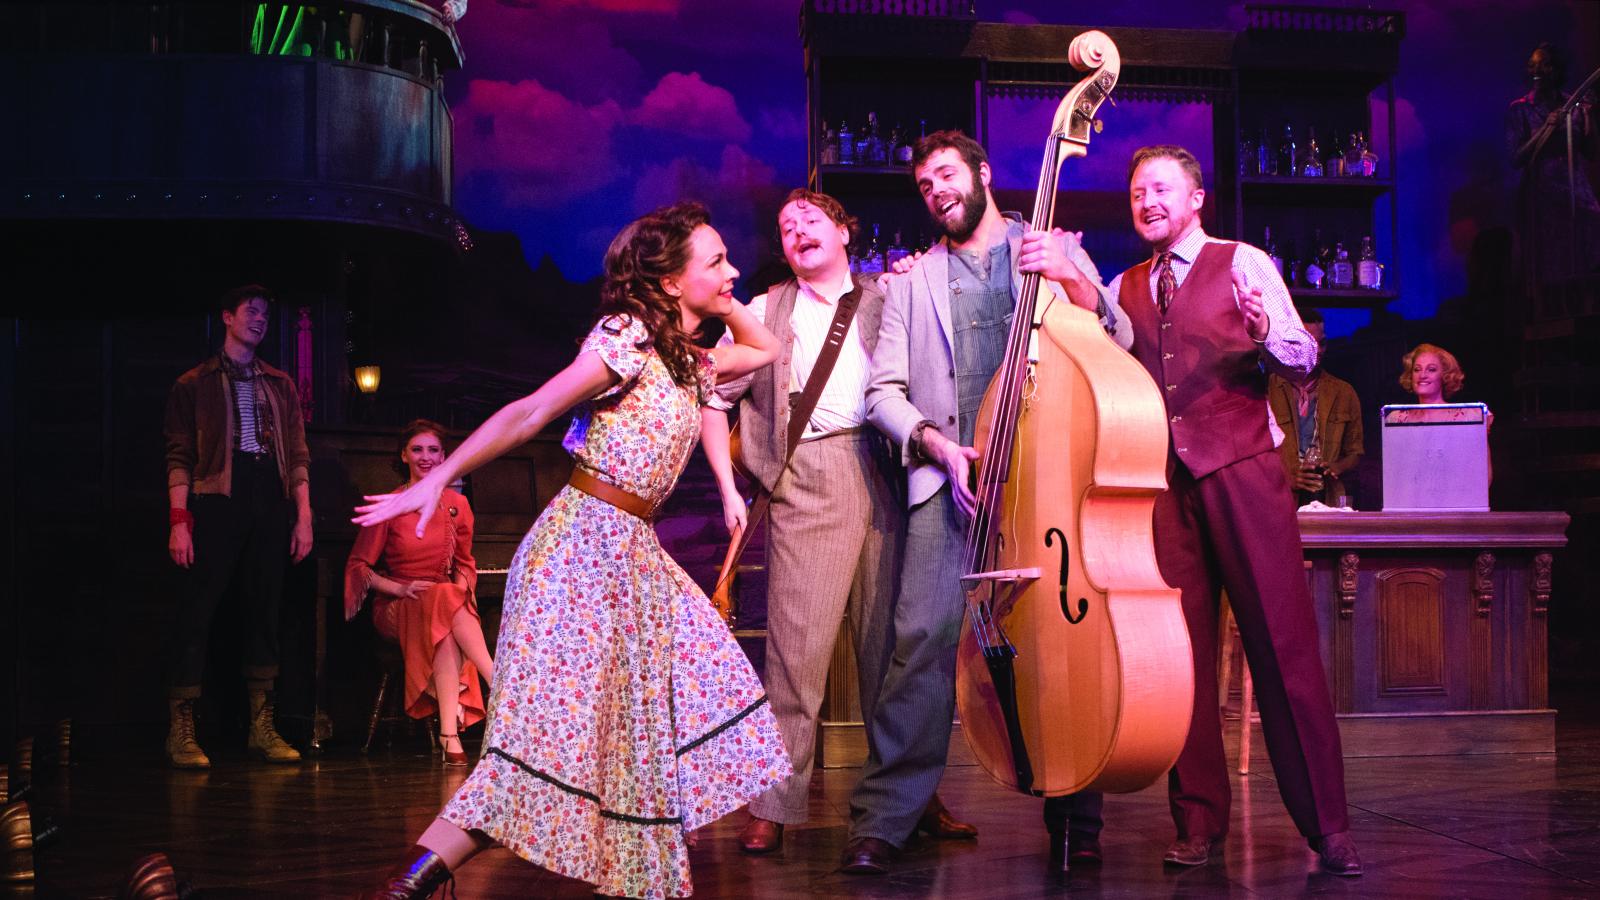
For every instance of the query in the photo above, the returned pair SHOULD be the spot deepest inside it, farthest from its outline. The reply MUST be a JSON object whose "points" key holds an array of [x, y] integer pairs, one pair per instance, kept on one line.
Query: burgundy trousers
{"points": [[1235, 528]]}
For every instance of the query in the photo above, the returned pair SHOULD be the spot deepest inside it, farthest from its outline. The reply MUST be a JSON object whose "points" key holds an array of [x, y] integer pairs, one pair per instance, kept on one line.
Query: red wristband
{"points": [[179, 516]]}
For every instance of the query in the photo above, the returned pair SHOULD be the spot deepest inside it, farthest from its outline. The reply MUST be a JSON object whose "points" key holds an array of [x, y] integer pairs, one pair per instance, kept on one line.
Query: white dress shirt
{"points": [[843, 402]]}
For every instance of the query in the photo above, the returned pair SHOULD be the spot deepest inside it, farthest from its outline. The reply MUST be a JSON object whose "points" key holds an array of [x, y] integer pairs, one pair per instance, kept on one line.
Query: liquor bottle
{"points": [[1286, 152], [896, 252], [1315, 272], [902, 147], [1352, 156], [1333, 165], [1368, 273], [847, 145], [1249, 161], [1342, 274], [830, 146], [872, 257], [1271, 248], [1292, 277], [1311, 156], [1266, 161], [1369, 160], [869, 145]]}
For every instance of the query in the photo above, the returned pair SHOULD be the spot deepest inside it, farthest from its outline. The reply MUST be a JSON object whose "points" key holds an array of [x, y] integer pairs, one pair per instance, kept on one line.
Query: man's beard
{"points": [[973, 205]]}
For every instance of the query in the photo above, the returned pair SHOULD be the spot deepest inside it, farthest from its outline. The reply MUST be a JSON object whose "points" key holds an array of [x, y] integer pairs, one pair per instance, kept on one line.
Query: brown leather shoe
{"points": [[761, 835], [1336, 853], [1191, 851], [866, 856], [936, 822]]}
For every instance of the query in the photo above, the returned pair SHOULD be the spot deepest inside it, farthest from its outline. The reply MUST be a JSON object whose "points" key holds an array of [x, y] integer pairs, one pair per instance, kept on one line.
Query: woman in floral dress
{"points": [[622, 714]]}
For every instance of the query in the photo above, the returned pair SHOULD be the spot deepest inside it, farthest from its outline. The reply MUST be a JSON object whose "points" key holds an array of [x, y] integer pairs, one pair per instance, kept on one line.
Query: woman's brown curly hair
{"points": [[648, 250], [1449, 370]]}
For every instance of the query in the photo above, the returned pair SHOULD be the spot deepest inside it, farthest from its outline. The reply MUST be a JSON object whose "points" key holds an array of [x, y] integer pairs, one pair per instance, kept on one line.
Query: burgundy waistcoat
{"points": [[1206, 366]]}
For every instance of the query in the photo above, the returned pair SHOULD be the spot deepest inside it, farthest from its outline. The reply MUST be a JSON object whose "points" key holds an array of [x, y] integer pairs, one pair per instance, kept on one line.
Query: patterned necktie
{"points": [[1166, 281]]}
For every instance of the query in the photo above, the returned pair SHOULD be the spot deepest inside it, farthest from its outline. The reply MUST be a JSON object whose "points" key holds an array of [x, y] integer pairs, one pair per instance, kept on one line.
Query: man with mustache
{"points": [[236, 468], [833, 540], [1207, 317], [944, 334]]}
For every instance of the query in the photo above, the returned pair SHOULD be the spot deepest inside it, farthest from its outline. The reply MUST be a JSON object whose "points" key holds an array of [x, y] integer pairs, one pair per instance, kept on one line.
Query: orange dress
{"points": [[418, 625]]}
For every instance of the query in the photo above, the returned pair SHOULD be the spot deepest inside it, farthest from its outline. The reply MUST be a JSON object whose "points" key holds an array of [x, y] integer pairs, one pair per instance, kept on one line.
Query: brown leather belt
{"points": [[610, 493]]}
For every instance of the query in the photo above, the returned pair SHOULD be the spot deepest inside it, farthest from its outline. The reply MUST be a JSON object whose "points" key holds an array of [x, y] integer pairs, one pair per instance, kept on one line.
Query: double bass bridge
{"points": [[1004, 585]]}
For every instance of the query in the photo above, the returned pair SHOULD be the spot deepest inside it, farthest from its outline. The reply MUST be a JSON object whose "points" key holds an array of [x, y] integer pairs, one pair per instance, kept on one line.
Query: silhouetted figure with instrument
{"points": [[1207, 316], [1558, 217]]}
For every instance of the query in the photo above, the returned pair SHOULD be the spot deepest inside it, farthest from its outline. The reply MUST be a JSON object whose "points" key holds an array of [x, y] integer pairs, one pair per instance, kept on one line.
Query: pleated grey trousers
{"points": [[833, 553]]}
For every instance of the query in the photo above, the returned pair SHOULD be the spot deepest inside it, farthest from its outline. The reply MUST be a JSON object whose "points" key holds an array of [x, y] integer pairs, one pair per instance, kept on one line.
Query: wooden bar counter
{"points": [[1434, 628], [1433, 632]]}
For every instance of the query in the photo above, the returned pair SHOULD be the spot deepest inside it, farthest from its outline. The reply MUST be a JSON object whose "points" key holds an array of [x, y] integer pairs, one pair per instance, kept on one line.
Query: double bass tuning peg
{"points": [[1099, 125]]}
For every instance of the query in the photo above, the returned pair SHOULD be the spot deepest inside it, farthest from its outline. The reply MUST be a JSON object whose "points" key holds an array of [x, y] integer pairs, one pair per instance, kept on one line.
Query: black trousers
{"points": [[1077, 814], [240, 540]]}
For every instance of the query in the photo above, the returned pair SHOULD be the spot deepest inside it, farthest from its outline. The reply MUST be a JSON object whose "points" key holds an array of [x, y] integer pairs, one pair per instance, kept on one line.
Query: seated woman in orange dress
{"points": [[422, 598]]}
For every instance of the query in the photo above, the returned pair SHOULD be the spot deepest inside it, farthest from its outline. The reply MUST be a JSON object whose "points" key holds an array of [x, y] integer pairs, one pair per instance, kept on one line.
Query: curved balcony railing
{"points": [[332, 112]]}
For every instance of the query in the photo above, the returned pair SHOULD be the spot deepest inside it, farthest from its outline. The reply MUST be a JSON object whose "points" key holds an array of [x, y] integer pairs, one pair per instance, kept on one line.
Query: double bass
{"points": [[1073, 669]]}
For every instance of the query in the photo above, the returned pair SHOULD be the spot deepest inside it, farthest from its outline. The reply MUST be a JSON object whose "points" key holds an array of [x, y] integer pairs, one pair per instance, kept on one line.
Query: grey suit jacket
{"points": [[913, 369], [763, 396]]}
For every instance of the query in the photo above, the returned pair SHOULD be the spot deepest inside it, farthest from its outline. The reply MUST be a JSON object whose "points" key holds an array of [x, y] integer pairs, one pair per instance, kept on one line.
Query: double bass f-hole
{"points": [[1066, 563]]}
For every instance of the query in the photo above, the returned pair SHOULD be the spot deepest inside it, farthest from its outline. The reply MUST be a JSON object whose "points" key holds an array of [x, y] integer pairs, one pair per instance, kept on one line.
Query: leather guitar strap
{"points": [[799, 416]]}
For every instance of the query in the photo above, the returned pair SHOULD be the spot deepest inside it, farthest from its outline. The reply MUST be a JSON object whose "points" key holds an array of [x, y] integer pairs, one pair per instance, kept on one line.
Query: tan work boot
{"points": [[264, 738], [182, 749]]}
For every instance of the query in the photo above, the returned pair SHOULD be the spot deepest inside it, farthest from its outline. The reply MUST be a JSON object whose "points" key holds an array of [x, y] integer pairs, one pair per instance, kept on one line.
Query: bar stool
{"points": [[1228, 641], [388, 703]]}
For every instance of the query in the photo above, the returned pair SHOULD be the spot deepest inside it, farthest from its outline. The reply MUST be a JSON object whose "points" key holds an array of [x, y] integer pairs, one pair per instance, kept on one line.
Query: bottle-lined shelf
{"points": [[837, 169], [1268, 187], [1353, 298]]}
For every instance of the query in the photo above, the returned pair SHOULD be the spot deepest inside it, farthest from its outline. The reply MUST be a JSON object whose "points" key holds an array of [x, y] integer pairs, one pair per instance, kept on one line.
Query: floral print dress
{"points": [[623, 714]]}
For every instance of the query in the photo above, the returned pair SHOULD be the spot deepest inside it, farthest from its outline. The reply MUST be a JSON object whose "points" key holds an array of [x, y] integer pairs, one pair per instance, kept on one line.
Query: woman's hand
{"points": [[411, 590], [735, 515], [421, 497]]}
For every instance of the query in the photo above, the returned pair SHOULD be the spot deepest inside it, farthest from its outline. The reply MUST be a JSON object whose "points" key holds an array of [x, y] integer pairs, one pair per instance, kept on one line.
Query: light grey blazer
{"points": [[913, 368]]}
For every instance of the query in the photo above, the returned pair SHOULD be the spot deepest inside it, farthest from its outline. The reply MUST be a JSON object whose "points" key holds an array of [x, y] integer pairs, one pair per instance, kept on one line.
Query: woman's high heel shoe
{"points": [[422, 874], [451, 757]]}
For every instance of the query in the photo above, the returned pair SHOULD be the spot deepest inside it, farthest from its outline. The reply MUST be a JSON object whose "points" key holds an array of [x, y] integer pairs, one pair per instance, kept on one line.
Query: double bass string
{"points": [[997, 456]]}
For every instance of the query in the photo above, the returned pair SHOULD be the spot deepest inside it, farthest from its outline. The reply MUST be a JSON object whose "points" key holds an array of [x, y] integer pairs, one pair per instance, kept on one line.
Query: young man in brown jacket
{"points": [[240, 503]]}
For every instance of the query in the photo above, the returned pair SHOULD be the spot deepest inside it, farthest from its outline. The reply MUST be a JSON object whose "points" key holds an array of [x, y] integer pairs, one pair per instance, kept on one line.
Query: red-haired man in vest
{"points": [[1210, 319]]}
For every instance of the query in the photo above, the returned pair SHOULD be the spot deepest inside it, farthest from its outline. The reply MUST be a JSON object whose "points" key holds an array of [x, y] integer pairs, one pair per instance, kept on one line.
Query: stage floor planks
{"points": [[1485, 826]]}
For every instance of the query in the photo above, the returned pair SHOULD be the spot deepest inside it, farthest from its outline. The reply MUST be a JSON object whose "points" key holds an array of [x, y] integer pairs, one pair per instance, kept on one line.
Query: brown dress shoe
{"points": [[1336, 853], [936, 822], [1191, 851], [867, 856], [761, 835]]}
